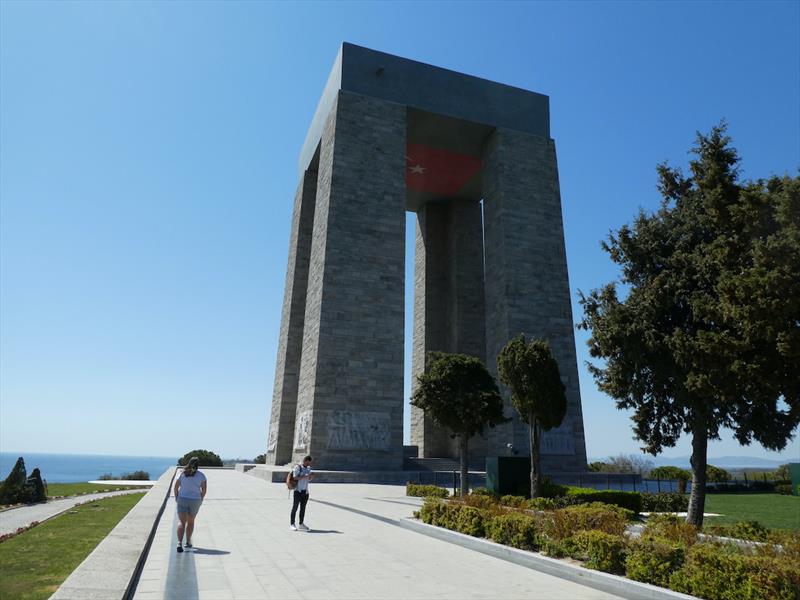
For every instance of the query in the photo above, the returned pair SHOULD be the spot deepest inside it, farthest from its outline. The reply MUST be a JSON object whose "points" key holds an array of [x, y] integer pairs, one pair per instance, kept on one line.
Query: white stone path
{"points": [[244, 549], [22, 516]]}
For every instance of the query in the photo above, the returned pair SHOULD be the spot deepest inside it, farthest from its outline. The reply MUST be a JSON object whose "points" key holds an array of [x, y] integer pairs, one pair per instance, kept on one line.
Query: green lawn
{"points": [[33, 564], [771, 510], [72, 489]]}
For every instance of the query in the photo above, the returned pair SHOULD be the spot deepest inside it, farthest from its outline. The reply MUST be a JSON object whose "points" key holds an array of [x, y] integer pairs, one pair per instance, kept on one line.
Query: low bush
{"points": [[453, 515], [469, 520], [423, 491], [482, 491], [653, 560], [542, 504], [136, 476], [784, 488], [672, 528], [514, 501], [607, 518], [602, 551], [480, 501], [744, 530], [432, 510], [629, 500], [515, 529], [725, 573], [561, 548], [665, 502]]}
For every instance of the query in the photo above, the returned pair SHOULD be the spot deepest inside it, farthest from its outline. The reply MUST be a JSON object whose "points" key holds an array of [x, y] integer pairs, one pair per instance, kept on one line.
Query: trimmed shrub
{"points": [[542, 504], [719, 572], [744, 530], [480, 501], [630, 500], [469, 520], [482, 491], [137, 476], [515, 529], [552, 490], [207, 458], [672, 528], [515, 501], [607, 518], [432, 511], [784, 488], [424, 491], [653, 561], [665, 502], [602, 551], [561, 548]]}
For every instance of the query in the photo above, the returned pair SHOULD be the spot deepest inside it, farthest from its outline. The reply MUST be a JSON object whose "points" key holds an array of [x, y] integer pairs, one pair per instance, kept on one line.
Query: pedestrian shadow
{"points": [[323, 531], [197, 550]]}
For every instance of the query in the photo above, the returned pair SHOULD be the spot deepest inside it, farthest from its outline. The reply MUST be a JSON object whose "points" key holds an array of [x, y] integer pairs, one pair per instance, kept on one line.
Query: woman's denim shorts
{"points": [[189, 505]]}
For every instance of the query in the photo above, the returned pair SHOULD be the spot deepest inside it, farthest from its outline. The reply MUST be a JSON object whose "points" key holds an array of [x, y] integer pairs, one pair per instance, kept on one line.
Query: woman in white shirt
{"points": [[190, 489]]}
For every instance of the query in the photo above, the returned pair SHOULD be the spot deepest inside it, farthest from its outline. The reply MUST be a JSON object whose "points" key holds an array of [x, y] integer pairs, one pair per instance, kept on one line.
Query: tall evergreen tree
{"points": [[531, 373], [459, 394], [707, 333]]}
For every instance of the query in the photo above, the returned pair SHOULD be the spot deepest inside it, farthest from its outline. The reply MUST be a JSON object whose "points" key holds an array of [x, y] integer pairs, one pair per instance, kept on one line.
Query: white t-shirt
{"points": [[190, 486], [300, 471]]}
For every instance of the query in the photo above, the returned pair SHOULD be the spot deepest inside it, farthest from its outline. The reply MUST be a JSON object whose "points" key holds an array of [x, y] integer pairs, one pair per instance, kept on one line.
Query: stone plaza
{"points": [[475, 162]]}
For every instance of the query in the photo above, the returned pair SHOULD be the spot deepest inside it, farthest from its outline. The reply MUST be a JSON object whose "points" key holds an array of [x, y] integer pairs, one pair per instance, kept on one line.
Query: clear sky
{"points": [[148, 162]]}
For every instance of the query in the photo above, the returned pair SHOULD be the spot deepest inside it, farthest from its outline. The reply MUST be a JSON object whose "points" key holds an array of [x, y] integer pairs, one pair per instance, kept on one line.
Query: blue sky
{"points": [[148, 161]]}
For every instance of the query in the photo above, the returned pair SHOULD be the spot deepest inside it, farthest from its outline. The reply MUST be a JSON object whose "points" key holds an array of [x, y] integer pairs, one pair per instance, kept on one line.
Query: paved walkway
{"points": [[22, 516], [244, 549]]}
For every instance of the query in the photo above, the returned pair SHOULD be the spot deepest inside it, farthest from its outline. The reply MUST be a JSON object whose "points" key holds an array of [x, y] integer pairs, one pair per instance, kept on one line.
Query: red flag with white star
{"points": [[438, 171]]}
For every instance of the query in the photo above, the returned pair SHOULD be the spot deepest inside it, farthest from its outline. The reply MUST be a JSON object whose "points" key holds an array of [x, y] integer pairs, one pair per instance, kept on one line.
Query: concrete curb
{"points": [[605, 582], [107, 571]]}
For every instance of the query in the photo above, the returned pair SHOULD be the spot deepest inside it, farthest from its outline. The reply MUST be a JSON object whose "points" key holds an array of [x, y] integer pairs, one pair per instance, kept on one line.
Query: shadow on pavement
{"points": [[323, 531], [209, 551]]}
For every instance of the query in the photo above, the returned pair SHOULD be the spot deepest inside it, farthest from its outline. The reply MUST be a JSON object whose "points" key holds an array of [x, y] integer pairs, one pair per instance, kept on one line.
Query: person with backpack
{"points": [[298, 481], [190, 489]]}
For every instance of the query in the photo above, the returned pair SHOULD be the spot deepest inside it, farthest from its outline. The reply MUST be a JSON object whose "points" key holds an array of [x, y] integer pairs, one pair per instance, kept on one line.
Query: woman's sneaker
{"points": [[292, 527], [180, 548], [303, 527], [189, 547]]}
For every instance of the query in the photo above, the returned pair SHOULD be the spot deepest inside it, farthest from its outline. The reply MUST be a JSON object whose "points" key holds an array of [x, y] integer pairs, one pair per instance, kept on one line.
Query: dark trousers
{"points": [[300, 499]]}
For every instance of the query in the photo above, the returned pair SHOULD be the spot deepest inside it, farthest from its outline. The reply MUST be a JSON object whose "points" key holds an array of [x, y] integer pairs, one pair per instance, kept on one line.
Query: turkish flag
{"points": [[438, 171]]}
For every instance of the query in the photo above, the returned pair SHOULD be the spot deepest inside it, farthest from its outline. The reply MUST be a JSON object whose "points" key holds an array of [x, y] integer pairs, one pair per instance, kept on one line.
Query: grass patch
{"points": [[33, 564], [774, 511], [73, 489]]}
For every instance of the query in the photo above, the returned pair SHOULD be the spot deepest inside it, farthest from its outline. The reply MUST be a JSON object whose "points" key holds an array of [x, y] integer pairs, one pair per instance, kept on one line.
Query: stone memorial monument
{"points": [[474, 160]]}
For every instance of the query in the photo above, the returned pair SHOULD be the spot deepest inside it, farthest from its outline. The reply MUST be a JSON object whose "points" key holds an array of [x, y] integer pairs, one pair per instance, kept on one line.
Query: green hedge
{"points": [[667, 554], [653, 560], [665, 502], [724, 573], [515, 529], [630, 500], [602, 551], [607, 518], [423, 491]]}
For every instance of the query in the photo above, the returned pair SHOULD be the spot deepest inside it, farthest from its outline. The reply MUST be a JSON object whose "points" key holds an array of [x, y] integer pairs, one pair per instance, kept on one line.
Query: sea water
{"points": [[69, 468]]}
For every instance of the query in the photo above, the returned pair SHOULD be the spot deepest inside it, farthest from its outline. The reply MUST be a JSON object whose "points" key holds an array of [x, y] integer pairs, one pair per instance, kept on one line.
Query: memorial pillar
{"points": [[350, 399], [527, 285], [290, 341]]}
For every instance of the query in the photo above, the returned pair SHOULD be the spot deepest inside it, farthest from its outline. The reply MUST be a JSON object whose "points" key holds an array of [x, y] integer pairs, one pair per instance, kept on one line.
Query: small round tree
{"points": [[206, 457], [531, 373], [459, 394]]}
